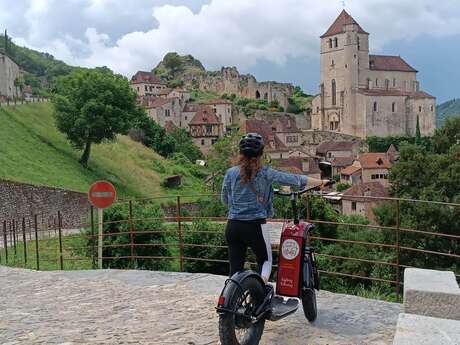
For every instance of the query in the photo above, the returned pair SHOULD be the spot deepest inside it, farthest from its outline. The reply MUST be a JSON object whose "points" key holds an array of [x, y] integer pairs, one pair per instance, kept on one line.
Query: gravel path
{"points": [[159, 308]]}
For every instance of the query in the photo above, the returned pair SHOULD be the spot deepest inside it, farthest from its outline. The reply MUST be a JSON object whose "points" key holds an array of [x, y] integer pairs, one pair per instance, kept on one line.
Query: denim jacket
{"points": [[244, 203]]}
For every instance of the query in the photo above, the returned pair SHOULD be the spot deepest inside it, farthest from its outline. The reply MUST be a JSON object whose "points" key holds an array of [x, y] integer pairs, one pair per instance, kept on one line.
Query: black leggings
{"points": [[240, 235]]}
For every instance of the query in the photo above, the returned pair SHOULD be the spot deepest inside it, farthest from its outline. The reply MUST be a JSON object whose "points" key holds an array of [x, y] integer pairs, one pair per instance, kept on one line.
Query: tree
{"points": [[93, 106], [184, 144], [418, 135], [172, 62], [447, 135], [154, 136]]}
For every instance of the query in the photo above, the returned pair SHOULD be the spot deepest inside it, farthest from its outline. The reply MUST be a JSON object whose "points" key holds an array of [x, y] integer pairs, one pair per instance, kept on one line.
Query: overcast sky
{"points": [[273, 39]]}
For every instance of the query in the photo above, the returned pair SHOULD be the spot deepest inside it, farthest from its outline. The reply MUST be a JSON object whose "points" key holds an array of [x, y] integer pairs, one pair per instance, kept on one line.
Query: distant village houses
{"points": [[171, 108]]}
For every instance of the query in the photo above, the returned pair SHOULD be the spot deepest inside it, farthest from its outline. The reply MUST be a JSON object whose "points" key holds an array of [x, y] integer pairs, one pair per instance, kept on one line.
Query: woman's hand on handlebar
{"points": [[326, 183]]}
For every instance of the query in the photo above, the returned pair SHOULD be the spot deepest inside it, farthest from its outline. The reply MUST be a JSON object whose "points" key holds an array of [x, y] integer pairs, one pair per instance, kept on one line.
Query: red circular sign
{"points": [[102, 194]]}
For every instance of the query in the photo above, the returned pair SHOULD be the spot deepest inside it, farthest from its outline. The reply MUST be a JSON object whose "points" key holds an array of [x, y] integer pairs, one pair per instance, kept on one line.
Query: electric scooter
{"points": [[246, 301]]}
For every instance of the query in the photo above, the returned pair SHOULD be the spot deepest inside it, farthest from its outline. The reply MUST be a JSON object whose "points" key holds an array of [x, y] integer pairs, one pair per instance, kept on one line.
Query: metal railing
{"points": [[130, 240]]}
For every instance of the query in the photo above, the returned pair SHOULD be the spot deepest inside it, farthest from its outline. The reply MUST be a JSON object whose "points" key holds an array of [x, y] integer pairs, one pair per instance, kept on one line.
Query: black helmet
{"points": [[252, 145]]}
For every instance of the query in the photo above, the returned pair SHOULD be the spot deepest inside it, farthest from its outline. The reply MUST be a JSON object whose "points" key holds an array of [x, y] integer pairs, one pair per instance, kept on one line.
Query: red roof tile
{"points": [[379, 92], [327, 146], [297, 163], [389, 63], [204, 115], [156, 102], [374, 160], [145, 78], [338, 26], [350, 170], [374, 189], [342, 161], [191, 107]]}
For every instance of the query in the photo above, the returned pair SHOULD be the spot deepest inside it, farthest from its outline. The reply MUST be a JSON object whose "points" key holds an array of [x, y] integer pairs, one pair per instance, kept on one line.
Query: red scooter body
{"points": [[291, 252]]}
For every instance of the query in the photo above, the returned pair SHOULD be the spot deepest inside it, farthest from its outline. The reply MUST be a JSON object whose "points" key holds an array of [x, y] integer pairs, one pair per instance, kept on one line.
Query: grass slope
{"points": [[33, 151], [447, 109]]}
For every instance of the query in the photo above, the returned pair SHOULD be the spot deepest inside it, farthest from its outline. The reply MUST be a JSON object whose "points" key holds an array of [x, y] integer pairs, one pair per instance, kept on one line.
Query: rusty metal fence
{"points": [[26, 242]]}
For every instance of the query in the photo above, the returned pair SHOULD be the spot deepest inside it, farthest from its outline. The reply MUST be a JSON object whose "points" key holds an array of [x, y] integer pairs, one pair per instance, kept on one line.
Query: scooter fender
{"points": [[232, 286]]}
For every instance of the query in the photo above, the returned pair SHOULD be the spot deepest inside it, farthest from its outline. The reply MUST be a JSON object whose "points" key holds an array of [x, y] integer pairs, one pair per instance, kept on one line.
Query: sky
{"points": [[272, 39]]}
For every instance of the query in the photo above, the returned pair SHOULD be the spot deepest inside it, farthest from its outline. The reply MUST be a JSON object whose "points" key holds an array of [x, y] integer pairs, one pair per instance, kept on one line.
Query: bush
{"points": [[342, 187], [117, 225], [213, 235]]}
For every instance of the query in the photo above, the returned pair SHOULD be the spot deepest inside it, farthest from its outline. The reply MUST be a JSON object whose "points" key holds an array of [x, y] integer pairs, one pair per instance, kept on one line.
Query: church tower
{"points": [[344, 52]]}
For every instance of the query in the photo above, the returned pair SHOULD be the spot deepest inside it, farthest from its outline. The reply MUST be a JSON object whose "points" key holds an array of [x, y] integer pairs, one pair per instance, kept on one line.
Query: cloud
{"points": [[128, 36]]}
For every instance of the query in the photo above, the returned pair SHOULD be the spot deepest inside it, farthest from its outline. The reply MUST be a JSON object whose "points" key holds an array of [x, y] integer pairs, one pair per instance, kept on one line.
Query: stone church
{"points": [[367, 95]]}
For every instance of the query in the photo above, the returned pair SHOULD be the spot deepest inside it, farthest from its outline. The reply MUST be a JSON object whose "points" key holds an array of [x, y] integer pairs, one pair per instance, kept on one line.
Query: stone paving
{"points": [[143, 307]]}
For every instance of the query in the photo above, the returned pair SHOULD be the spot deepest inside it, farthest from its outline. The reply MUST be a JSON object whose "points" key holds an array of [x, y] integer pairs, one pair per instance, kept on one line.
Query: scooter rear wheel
{"points": [[235, 329], [309, 304]]}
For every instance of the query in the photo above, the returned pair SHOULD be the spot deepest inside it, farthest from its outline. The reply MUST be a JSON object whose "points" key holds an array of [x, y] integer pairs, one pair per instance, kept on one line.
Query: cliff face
{"points": [[228, 80]]}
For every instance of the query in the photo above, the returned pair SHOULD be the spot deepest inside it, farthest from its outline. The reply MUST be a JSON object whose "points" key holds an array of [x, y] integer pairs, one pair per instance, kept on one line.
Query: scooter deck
{"points": [[281, 308]]}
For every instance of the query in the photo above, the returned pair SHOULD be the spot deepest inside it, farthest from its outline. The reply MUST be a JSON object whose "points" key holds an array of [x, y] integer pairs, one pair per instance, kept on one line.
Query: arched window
{"points": [[420, 109], [330, 42], [334, 93], [336, 42], [257, 94], [375, 106], [431, 107], [387, 84], [393, 107]]}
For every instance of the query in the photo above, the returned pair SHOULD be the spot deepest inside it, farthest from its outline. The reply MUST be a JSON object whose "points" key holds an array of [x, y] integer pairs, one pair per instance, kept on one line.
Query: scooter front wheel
{"points": [[309, 304], [236, 328]]}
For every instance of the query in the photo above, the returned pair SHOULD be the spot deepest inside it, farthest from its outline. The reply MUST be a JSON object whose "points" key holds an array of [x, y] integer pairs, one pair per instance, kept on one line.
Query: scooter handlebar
{"points": [[300, 192]]}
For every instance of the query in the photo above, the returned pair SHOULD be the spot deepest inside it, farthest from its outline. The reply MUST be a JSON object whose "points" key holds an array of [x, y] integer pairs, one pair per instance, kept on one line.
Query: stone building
{"points": [[354, 201], [162, 110], [367, 95], [205, 128], [223, 110], [9, 73], [147, 84]]}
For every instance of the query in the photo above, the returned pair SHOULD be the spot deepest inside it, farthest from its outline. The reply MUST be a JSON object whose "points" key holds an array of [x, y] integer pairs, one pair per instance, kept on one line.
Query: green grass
{"points": [[49, 258], [200, 96], [33, 151]]}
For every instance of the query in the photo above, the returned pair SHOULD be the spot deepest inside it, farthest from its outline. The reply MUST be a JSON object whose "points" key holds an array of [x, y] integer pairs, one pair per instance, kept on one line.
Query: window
{"points": [[317, 110], [330, 42], [387, 84], [376, 82], [292, 138], [359, 46], [202, 142], [334, 93], [167, 112], [393, 107], [329, 154], [394, 82], [336, 42], [368, 83], [353, 205], [145, 88], [208, 129], [431, 108], [375, 106], [186, 118], [138, 88], [420, 109]]}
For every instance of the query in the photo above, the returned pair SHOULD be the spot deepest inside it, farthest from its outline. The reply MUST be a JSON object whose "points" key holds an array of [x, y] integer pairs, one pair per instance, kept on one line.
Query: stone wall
{"points": [[312, 138], [9, 72], [18, 200]]}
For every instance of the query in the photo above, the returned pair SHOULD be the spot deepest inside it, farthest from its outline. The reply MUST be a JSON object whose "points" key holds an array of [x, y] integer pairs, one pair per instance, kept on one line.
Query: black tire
{"points": [[309, 304], [228, 323]]}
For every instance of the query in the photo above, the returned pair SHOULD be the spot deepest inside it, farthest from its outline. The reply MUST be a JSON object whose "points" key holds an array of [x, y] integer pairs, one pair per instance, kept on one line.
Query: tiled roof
{"points": [[338, 26], [342, 161], [296, 162], [219, 101], [380, 92], [350, 170], [389, 63], [204, 115], [261, 127], [374, 160], [145, 77], [170, 126], [374, 189], [327, 146]]}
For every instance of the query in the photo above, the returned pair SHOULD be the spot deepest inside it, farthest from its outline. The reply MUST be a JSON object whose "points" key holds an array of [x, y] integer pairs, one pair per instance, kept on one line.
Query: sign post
{"points": [[101, 195]]}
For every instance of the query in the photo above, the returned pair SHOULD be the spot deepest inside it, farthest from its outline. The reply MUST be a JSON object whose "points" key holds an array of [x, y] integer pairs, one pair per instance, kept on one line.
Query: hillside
{"points": [[447, 109], [41, 68], [32, 150]]}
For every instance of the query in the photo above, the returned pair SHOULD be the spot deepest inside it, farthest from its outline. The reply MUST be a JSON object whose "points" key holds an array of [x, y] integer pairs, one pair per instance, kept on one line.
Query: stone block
{"points": [[431, 293], [423, 330]]}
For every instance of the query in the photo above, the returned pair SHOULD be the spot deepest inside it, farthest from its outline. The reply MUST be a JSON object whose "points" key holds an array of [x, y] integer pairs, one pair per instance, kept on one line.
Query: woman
{"points": [[247, 190]]}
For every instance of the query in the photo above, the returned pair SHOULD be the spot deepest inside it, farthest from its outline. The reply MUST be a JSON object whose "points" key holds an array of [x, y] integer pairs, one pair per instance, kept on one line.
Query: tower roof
{"points": [[338, 26]]}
